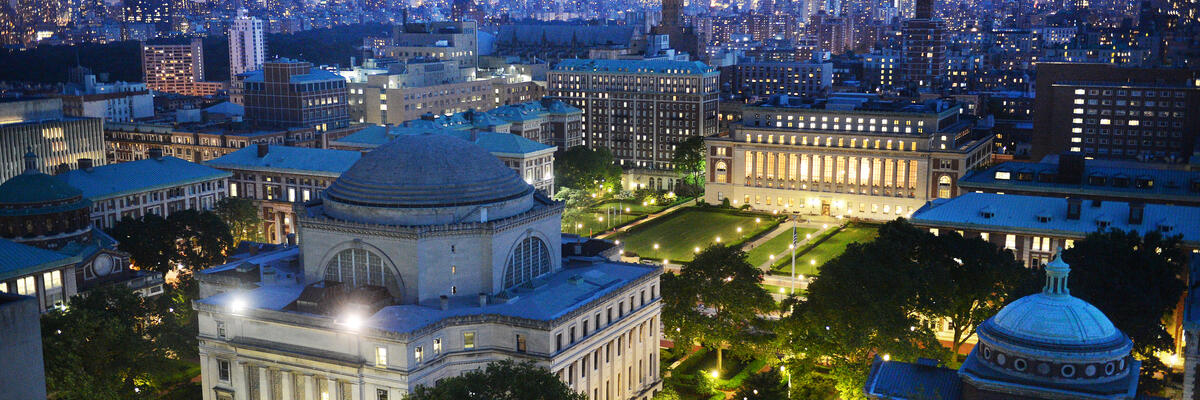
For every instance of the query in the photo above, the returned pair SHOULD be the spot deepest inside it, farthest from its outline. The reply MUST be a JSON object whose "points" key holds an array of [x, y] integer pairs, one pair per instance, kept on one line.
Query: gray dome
{"points": [[427, 175]]}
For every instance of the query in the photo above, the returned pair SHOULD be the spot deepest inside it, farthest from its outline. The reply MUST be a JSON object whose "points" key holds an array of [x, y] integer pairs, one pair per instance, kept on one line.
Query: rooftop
{"points": [[856, 102], [288, 159], [497, 143], [1048, 215], [138, 176], [924, 379], [638, 66], [18, 259], [1097, 177], [552, 297]]}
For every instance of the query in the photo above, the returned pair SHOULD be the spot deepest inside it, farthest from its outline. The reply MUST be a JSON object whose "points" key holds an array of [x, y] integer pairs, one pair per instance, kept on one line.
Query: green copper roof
{"points": [[35, 187]]}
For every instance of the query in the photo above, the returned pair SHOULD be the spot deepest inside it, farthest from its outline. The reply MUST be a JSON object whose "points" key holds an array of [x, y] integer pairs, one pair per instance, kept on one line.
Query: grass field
{"points": [[608, 215], [808, 263], [761, 254], [679, 233]]}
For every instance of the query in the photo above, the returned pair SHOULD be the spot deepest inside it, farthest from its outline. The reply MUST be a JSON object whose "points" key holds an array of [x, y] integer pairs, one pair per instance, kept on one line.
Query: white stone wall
{"points": [[309, 352]]}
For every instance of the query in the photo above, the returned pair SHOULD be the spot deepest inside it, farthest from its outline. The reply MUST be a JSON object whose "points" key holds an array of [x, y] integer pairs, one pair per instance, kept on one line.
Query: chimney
{"points": [[263, 149], [483, 299], [445, 302], [85, 164], [155, 153], [1073, 208], [1136, 211]]}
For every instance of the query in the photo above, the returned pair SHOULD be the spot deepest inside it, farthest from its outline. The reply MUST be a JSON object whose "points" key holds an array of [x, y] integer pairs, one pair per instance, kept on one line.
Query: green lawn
{"points": [[761, 254], [678, 234], [785, 289], [808, 262], [608, 215]]}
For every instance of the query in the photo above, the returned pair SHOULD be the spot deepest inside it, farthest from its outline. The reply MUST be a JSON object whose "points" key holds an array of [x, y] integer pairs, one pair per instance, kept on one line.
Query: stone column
{"points": [[331, 388], [286, 385], [310, 388], [264, 383], [241, 387]]}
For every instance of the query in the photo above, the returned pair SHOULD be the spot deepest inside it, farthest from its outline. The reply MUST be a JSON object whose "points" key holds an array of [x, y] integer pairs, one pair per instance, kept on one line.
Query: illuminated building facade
{"points": [[847, 156]]}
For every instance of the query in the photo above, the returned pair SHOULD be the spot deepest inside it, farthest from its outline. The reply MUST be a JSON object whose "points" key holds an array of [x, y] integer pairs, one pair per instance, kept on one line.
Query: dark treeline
{"points": [[122, 60]]}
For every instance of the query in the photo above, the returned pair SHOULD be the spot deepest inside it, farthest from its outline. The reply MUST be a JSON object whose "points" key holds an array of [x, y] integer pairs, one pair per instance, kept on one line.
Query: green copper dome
{"points": [[35, 187]]}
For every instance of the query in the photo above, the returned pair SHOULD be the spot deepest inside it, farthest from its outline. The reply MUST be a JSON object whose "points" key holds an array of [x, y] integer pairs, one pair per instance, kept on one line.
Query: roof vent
{"points": [[1044, 216], [1103, 221], [1166, 226], [987, 212]]}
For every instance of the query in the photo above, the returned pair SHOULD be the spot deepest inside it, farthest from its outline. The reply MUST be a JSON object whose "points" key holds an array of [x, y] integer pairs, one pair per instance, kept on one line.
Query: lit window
{"points": [[468, 340], [381, 357]]}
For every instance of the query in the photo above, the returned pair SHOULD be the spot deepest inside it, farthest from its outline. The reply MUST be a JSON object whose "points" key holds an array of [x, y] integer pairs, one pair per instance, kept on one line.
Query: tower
{"points": [[246, 47], [924, 55]]}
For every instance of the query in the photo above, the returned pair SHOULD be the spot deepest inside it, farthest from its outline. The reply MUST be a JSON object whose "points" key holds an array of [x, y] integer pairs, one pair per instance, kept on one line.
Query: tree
{"points": [[968, 280], [1136, 281], [178, 322], [689, 161], [201, 238], [148, 240], [587, 169], [100, 347], [716, 299], [767, 385], [501, 380], [245, 223], [864, 302]]}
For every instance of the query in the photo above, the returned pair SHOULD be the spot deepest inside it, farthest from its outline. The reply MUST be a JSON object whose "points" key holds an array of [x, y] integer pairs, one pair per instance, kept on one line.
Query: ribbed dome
{"points": [[1062, 320], [421, 171]]}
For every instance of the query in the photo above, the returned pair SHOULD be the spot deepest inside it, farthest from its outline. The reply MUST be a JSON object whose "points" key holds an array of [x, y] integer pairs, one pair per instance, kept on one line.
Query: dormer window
{"points": [[1120, 181], [1144, 182], [1044, 216], [1003, 175], [987, 212]]}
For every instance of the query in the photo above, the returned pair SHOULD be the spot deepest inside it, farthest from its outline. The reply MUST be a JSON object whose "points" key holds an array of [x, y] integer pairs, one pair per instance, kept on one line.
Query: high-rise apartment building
{"points": [[763, 79], [832, 33], [639, 109], [849, 155], [924, 62], [39, 125], [246, 46], [446, 40], [175, 68], [292, 94], [1107, 111]]}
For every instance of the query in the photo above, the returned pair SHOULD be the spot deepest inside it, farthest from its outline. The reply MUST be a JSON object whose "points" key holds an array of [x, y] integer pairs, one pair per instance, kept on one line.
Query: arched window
{"points": [[359, 267], [943, 190], [721, 170], [529, 260]]}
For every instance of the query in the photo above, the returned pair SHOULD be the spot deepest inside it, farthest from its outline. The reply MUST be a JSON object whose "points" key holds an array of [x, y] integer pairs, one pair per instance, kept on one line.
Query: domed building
{"points": [[51, 250], [1049, 345], [426, 258]]}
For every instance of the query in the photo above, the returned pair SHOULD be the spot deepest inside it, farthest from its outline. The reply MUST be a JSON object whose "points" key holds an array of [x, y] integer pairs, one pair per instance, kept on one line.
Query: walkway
{"points": [[650, 217]]}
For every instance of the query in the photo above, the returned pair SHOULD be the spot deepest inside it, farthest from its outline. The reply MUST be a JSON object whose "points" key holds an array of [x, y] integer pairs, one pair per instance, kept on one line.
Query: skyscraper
{"points": [[246, 46], [176, 68], [924, 55]]}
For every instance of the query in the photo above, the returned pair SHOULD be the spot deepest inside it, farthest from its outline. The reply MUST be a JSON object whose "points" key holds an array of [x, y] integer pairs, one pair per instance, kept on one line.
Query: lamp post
{"points": [[794, 245]]}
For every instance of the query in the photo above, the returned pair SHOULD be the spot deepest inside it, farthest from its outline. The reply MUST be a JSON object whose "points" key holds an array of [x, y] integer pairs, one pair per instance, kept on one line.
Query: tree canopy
{"points": [[587, 169], [689, 161], [876, 298], [100, 346], [716, 299], [243, 218], [1137, 282], [501, 380], [194, 239]]}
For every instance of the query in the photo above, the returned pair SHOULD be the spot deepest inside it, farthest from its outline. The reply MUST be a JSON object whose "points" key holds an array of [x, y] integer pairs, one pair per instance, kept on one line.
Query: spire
{"points": [[31, 161], [1056, 276]]}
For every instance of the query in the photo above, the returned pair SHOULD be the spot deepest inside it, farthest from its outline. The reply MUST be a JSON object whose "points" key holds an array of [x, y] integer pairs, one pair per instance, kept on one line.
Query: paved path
{"points": [[821, 229], [650, 217]]}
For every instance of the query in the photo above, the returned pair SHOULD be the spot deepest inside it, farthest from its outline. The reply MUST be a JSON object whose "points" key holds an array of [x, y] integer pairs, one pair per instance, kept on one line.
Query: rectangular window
{"points": [[418, 355], [520, 343], [221, 329], [25, 286], [381, 394], [223, 370], [572, 335], [52, 280], [1010, 242], [381, 356], [468, 340], [558, 342], [437, 346]]}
